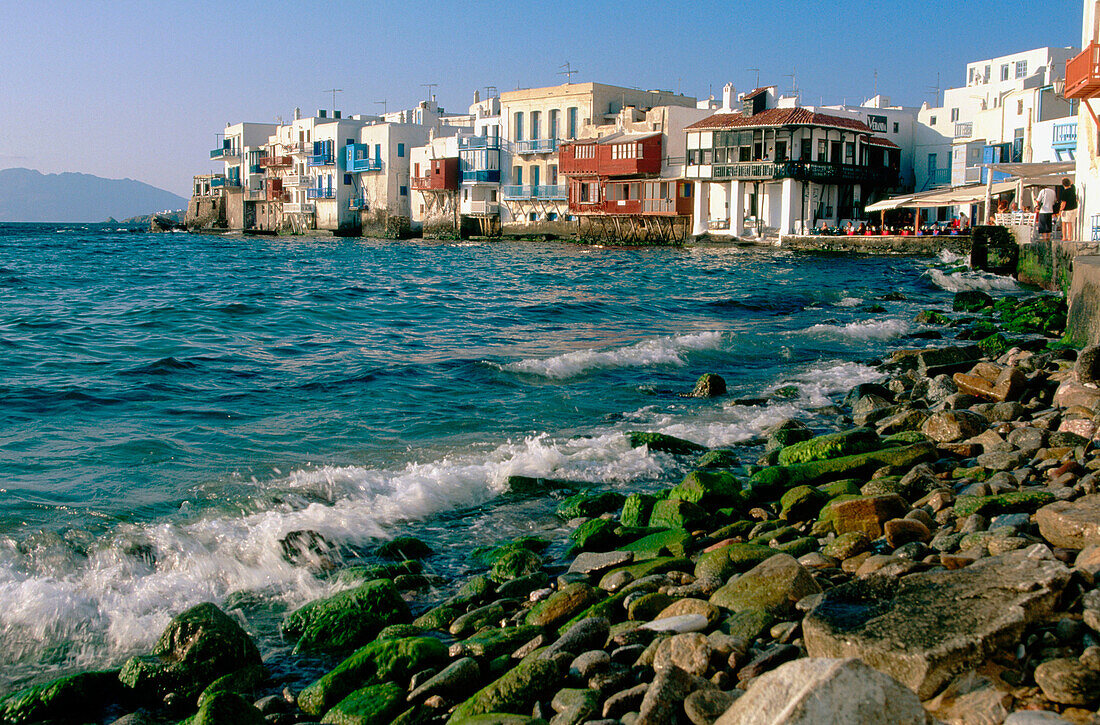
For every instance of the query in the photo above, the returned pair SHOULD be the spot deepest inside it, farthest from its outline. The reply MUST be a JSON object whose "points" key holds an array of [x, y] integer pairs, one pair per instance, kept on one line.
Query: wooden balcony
{"points": [[1083, 73], [273, 161], [820, 172]]}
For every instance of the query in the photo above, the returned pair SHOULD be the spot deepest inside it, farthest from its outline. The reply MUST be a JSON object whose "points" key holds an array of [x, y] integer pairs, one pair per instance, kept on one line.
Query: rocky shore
{"points": [[933, 557]]}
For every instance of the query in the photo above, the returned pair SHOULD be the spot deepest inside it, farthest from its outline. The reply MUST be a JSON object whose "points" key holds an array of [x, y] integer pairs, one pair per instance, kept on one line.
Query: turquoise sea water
{"points": [[173, 405]]}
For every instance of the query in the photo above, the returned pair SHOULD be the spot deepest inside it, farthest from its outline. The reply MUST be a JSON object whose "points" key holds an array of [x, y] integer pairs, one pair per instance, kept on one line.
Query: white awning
{"points": [[1045, 172], [955, 196]]}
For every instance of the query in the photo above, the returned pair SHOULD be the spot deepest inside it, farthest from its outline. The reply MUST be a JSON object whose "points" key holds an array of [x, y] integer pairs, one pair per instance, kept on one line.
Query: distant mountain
{"points": [[27, 195]]}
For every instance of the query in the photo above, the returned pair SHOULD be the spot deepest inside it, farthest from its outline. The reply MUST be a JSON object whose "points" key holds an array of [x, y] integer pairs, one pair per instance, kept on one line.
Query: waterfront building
{"points": [[434, 185], [625, 180], [534, 122], [240, 151], [479, 157], [771, 166], [1083, 85]]}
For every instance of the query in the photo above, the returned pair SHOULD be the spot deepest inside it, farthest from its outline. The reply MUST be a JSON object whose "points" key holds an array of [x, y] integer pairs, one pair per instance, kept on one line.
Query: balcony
{"points": [[1083, 73], [297, 180], [358, 204], [964, 130], [421, 183], [277, 195], [484, 176], [938, 178], [820, 172], [538, 146], [1065, 134], [322, 193], [273, 161], [254, 169], [481, 208], [221, 181], [298, 208], [225, 153], [320, 160], [256, 195], [356, 165], [491, 143], [546, 193]]}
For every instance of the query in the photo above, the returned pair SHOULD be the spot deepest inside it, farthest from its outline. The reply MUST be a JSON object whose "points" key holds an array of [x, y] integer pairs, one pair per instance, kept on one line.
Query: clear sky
{"points": [[140, 89]]}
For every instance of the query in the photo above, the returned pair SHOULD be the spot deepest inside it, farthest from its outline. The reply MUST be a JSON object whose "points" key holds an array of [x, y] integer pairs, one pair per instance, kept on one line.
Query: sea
{"points": [[173, 405]]}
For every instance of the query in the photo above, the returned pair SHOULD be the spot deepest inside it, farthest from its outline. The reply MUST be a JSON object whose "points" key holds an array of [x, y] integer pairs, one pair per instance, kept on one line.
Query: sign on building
{"points": [[877, 123]]}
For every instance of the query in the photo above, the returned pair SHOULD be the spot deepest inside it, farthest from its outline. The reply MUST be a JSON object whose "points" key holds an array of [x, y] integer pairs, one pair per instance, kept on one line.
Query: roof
{"points": [[779, 117], [880, 141], [627, 137], [754, 93]]}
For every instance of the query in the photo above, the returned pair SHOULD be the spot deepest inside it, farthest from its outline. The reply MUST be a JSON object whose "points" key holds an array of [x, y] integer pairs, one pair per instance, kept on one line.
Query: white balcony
{"points": [[480, 208], [298, 208]]}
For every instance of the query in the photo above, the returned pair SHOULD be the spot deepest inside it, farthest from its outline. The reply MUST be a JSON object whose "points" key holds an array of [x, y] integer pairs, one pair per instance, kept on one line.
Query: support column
{"points": [[702, 208], [789, 200], [737, 208]]}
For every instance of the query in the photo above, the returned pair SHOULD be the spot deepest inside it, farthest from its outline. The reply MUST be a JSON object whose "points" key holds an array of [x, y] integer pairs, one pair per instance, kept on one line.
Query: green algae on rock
{"points": [[69, 698], [514, 692], [348, 619], [371, 705], [830, 445], [661, 443]]}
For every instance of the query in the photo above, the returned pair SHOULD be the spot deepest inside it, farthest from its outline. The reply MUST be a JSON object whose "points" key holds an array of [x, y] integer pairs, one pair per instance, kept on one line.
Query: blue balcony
{"points": [[355, 165], [321, 193], [358, 204], [491, 143], [538, 146], [486, 176], [321, 160], [546, 193], [357, 158], [1065, 135], [221, 181], [224, 153], [937, 178]]}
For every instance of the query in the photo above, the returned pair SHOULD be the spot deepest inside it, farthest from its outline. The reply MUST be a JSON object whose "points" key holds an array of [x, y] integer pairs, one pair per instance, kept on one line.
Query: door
{"points": [[534, 176], [834, 152]]}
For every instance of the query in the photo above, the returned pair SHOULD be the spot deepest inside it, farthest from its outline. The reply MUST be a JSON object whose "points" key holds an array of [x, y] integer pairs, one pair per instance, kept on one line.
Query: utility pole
{"points": [[750, 70], [333, 91], [383, 104], [565, 69]]}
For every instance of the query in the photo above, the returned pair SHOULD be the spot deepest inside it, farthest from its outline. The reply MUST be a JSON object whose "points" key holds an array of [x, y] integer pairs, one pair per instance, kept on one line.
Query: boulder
{"points": [[1071, 393], [690, 652], [926, 627], [676, 513], [661, 443], [562, 605], [1071, 524], [815, 472], [787, 433], [495, 641], [348, 619], [831, 445], [866, 514], [821, 690], [718, 458], [593, 535], [801, 503], [455, 680], [514, 564], [728, 560], [529, 681], [226, 708], [971, 301], [636, 509], [772, 586], [371, 705], [709, 385], [948, 426], [670, 541], [197, 647], [665, 696], [1068, 682], [1002, 503], [709, 489], [309, 549], [588, 505], [66, 699], [404, 547]]}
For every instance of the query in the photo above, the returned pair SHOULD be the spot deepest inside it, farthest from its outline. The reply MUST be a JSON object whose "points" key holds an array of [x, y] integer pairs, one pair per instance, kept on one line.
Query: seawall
{"points": [[929, 245]]}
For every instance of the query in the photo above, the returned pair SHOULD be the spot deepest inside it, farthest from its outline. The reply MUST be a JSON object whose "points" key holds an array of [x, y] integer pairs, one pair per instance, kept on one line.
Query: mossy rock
{"points": [[594, 535], [636, 509], [676, 513], [243, 682], [1011, 502], [378, 662], [831, 445], [661, 443], [673, 542], [905, 438], [826, 514], [737, 528], [371, 705], [787, 433], [439, 618], [514, 564], [847, 486], [971, 301], [729, 560], [562, 605], [816, 472], [226, 708], [497, 718], [994, 346], [748, 624], [718, 458], [649, 567], [400, 631], [348, 619], [490, 643], [590, 505], [709, 489], [847, 545], [888, 484], [801, 503], [778, 534], [798, 547], [528, 682], [355, 575], [66, 699], [975, 473], [404, 547], [475, 589], [931, 317], [610, 609], [979, 330], [488, 555], [531, 486]]}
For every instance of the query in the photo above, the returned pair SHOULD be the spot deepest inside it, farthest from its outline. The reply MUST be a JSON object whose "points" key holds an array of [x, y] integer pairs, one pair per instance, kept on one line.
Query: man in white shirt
{"points": [[1044, 204]]}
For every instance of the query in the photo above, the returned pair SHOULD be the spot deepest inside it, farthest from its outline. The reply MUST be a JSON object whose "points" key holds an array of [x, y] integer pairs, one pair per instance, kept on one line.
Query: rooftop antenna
{"points": [[757, 76], [936, 88], [565, 69], [794, 80], [876, 84], [430, 86], [491, 91], [333, 91], [384, 106]]}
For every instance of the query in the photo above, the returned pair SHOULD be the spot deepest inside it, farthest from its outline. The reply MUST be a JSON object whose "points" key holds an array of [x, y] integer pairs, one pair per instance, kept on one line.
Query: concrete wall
{"points": [[1083, 321], [206, 212], [878, 244], [1047, 264]]}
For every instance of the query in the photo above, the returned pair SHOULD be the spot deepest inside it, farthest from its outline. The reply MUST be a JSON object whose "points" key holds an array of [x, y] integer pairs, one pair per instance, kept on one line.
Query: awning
{"points": [[956, 196], [1043, 172]]}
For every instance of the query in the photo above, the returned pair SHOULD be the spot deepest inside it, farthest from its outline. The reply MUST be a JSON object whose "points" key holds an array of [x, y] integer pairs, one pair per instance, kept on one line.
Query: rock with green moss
{"points": [[676, 513], [971, 301], [798, 547], [594, 535], [404, 547], [197, 647], [355, 575], [847, 545], [723, 563], [831, 445], [389, 660], [636, 509], [589, 505], [741, 527], [787, 433], [801, 503], [748, 624], [400, 631], [931, 317], [499, 718], [646, 568], [531, 486], [514, 564], [243, 682], [490, 643], [718, 458], [816, 472], [849, 486], [709, 489], [661, 443], [226, 708], [440, 617], [772, 586], [1011, 502], [994, 346], [473, 590], [673, 542], [74, 698], [610, 609], [516, 692], [372, 705], [348, 619], [488, 555], [562, 605]]}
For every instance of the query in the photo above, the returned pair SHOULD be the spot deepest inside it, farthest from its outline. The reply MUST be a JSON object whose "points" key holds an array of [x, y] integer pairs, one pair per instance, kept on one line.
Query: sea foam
{"points": [[962, 281], [887, 329], [657, 351]]}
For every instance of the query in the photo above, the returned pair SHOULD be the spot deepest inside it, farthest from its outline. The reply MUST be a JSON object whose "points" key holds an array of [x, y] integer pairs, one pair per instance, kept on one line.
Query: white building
{"points": [[480, 166]]}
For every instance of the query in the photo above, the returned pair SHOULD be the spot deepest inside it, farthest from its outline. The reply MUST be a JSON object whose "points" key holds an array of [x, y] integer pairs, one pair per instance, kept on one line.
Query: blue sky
{"points": [[139, 89]]}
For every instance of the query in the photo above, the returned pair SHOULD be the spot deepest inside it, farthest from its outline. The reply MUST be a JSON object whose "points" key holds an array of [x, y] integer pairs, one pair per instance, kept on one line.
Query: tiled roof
{"points": [[880, 141], [779, 117], [755, 93]]}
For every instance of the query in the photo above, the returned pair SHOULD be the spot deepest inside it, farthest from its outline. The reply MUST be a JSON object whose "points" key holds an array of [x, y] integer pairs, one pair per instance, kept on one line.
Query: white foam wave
{"points": [[983, 281], [864, 329], [850, 302], [658, 351], [949, 257]]}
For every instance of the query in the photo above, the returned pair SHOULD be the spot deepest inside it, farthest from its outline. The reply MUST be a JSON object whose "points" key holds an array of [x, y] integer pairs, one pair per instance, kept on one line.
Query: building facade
{"points": [[1083, 85]]}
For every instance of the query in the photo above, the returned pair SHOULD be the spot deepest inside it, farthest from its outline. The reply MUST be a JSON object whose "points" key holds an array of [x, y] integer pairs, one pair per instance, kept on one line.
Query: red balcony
{"points": [[579, 158], [623, 155], [275, 191], [649, 198], [441, 176], [1083, 73], [273, 161]]}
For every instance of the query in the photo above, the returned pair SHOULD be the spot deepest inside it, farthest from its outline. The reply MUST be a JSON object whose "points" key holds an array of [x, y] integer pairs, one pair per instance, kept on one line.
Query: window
{"points": [[517, 126], [571, 122], [1021, 69], [552, 174], [932, 121], [536, 132], [1004, 72], [347, 179], [987, 74], [400, 150], [1019, 108], [954, 114], [349, 141], [895, 126], [517, 174], [552, 131], [404, 191], [973, 75], [822, 149], [378, 152], [849, 153]]}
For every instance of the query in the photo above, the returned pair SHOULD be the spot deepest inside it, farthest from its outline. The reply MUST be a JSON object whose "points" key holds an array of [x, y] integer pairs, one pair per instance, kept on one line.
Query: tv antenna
{"points": [[491, 92], [936, 88], [383, 104], [333, 91], [794, 80], [430, 86], [757, 76], [565, 69], [876, 84]]}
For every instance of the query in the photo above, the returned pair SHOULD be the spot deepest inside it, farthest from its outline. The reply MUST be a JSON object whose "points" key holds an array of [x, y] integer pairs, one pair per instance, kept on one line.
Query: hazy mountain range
{"points": [[27, 195]]}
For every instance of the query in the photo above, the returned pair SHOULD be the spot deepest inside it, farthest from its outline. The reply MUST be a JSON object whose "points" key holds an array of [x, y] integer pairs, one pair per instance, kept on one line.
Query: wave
{"points": [[659, 351], [961, 281], [164, 366], [863, 330], [850, 302], [948, 257]]}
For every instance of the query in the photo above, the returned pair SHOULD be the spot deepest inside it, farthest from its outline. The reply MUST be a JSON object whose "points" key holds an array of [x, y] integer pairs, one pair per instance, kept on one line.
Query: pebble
{"points": [[680, 624]]}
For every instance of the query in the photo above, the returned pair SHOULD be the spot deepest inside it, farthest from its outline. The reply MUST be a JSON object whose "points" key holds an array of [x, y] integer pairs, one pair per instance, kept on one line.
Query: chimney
{"points": [[297, 113], [322, 113], [728, 94], [477, 96]]}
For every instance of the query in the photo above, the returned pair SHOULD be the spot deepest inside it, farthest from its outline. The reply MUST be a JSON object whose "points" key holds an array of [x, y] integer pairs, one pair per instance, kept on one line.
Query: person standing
{"points": [[1067, 204], [1044, 203]]}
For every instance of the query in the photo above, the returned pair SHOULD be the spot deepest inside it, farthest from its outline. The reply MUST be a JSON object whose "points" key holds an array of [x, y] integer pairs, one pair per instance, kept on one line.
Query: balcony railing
{"points": [[818, 171], [479, 142], [356, 165], [256, 195], [219, 181], [298, 208], [481, 207], [421, 183], [322, 193], [538, 146], [964, 130], [485, 176], [1083, 73], [225, 153], [358, 204], [1065, 134], [938, 177], [278, 195], [297, 180], [550, 193], [321, 160], [269, 161]]}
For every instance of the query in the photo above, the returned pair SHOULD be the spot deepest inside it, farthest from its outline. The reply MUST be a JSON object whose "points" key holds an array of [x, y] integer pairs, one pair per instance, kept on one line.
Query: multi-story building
{"points": [[241, 149], [434, 185], [773, 166], [1083, 85], [479, 163], [626, 179], [534, 122]]}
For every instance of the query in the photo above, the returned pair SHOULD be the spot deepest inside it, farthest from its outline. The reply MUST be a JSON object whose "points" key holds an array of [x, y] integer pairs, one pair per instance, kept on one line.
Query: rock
{"points": [[1002, 503], [948, 426], [787, 433], [636, 509], [594, 535], [680, 624], [562, 605], [718, 458], [1001, 460], [574, 706], [439, 617], [669, 541], [309, 549], [348, 619], [590, 562], [816, 472], [404, 547], [831, 445], [585, 635], [709, 385], [515, 564], [971, 699], [675, 513], [866, 514], [847, 545], [666, 694], [1087, 367], [1071, 393], [646, 606], [767, 660], [722, 563], [710, 489], [1035, 717], [74, 697], [378, 662], [772, 586], [226, 708], [935, 361], [624, 701], [1068, 682], [813, 691], [521, 587], [457, 678], [703, 707], [372, 705], [197, 647], [515, 692], [589, 505], [243, 682], [659, 442], [924, 628], [801, 503], [497, 641], [588, 664], [1087, 564], [691, 606], [475, 619], [902, 531], [971, 301], [690, 652], [1071, 524]]}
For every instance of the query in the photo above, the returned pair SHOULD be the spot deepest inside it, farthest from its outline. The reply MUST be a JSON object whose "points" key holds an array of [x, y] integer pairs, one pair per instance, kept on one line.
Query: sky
{"points": [[141, 89]]}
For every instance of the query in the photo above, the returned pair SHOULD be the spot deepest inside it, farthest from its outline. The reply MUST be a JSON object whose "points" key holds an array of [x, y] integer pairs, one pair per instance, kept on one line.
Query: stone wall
{"points": [[1047, 264], [1083, 321], [877, 244], [539, 230], [380, 224], [205, 212]]}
